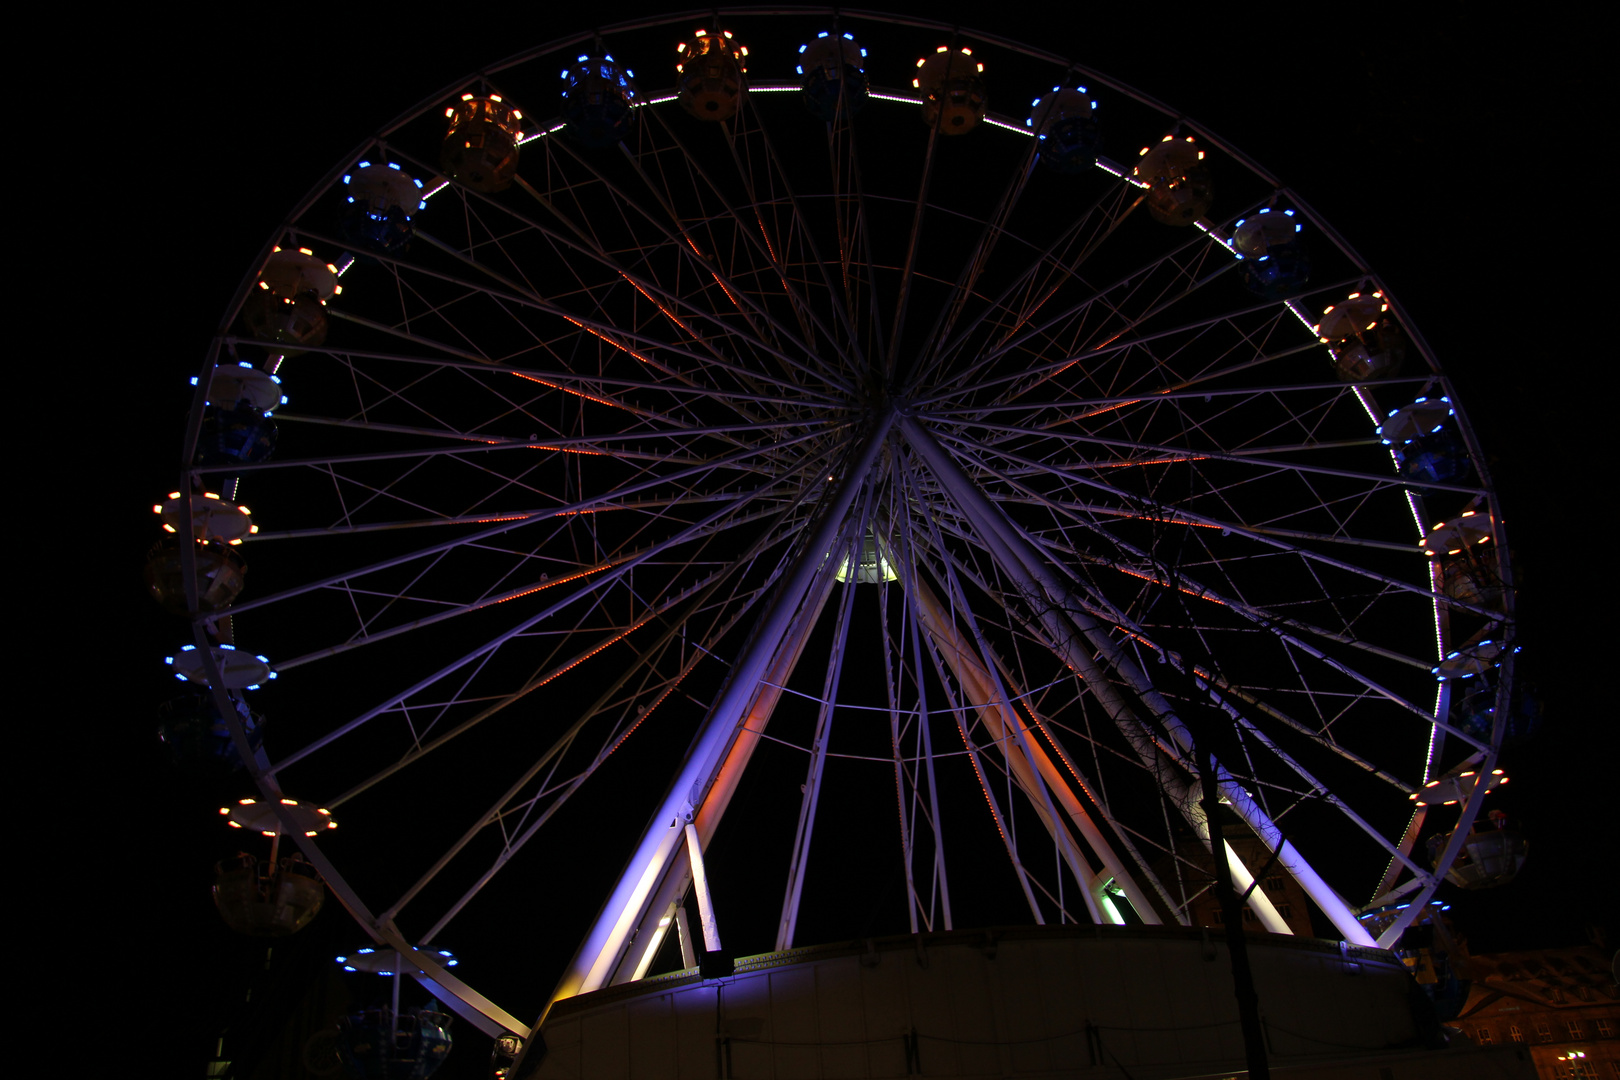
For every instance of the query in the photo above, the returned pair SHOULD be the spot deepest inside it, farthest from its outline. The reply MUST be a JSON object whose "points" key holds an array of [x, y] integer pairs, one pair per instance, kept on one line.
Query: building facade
{"points": [[1563, 1004], [1198, 874]]}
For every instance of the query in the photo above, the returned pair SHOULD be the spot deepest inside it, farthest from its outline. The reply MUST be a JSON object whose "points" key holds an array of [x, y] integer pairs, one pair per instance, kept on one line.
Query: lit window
{"points": [[1514, 1033], [1605, 1029], [1575, 1031], [1543, 1031], [1580, 1070], [1483, 1035]]}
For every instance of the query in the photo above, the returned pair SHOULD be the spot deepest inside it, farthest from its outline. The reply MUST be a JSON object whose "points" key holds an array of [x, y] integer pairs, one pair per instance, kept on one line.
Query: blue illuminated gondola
{"points": [[1271, 244], [195, 735], [1424, 439], [378, 1044], [834, 71], [382, 200], [1065, 124], [599, 99]]}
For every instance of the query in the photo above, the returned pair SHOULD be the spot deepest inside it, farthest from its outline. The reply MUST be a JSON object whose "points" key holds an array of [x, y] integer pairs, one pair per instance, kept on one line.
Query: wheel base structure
{"points": [[1151, 1003]]}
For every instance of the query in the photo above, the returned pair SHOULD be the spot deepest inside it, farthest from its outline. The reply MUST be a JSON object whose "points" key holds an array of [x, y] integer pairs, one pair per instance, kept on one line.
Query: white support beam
{"points": [[655, 940], [609, 935], [700, 885], [688, 954], [1069, 623], [800, 860], [746, 739], [973, 674], [1001, 720]]}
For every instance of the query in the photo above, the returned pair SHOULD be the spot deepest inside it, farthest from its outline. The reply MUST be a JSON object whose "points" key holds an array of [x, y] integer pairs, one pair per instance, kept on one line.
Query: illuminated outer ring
{"points": [[595, 430]]}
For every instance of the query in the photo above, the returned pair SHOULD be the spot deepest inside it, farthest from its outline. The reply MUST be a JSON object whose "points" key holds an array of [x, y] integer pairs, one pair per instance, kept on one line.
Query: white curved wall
{"points": [[1032, 1002]]}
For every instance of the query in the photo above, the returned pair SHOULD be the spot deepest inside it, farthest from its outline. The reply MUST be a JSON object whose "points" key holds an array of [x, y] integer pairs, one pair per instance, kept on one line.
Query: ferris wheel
{"points": [[672, 405]]}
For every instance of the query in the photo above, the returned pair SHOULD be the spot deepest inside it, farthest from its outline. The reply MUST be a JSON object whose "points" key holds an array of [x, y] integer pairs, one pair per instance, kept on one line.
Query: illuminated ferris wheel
{"points": [[840, 411]]}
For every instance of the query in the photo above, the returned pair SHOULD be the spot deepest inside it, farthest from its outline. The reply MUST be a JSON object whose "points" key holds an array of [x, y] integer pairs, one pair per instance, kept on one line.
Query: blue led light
{"points": [[194, 380], [187, 648], [393, 165], [365, 165], [365, 952], [345, 179], [822, 34], [232, 648], [803, 47]]}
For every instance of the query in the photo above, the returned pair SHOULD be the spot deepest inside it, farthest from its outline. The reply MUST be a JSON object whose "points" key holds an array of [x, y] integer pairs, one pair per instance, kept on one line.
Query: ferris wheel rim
{"points": [[227, 340]]}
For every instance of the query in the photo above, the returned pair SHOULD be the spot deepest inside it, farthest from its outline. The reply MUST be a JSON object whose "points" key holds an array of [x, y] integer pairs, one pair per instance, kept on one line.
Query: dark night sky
{"points": [[1433, 142]]}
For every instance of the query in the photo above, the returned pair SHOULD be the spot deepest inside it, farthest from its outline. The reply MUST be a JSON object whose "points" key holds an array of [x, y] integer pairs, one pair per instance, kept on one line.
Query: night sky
{"points": [[1448, 147]]}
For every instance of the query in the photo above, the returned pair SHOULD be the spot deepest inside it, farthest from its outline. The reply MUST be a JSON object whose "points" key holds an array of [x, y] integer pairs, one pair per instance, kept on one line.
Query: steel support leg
{"points": [[1067, 623], [605, 942]]}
